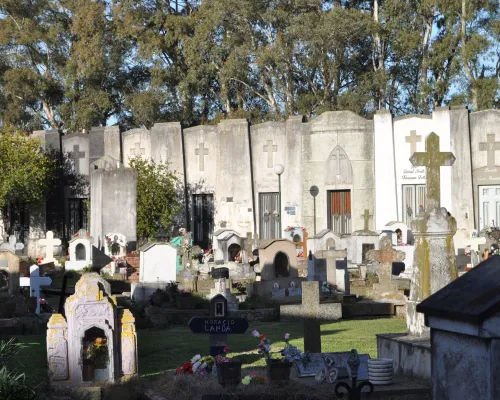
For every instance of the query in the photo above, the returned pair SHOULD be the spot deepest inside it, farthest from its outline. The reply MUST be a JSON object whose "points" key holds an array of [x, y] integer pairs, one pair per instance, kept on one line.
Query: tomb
{"points": [[464, 321], [227, 243], [361, 241], [97, 343], [80, 253]]}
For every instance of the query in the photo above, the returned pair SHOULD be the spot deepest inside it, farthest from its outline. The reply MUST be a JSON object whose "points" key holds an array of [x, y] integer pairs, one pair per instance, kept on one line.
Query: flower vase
{"points": [[278, 371], [101, 374], [229, 373]]}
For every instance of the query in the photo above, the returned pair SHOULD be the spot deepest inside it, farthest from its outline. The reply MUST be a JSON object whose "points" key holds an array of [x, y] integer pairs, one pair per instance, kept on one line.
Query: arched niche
{"points": [[80, 252], [281, 265], [233, 251], [338, 168], [115, 249], [95, 355]]}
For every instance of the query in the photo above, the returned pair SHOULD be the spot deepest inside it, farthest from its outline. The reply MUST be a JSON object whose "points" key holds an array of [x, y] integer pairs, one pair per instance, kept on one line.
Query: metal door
{"points": [[269, 220]]}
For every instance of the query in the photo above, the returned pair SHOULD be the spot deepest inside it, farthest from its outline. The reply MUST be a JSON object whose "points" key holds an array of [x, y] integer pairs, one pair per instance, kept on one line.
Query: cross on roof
{"points": [[34, 282], [413, 139], [138, 150], [366, 216], [76, 155], [433, 159], [49, 242], [270, 149], [201, 151], [490, 146]]}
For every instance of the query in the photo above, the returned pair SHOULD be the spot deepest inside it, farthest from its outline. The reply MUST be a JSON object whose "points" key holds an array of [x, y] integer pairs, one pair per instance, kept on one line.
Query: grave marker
{"points": [[12, 245], [331, 257], [34, 282], [49, 242], [218, 325]]}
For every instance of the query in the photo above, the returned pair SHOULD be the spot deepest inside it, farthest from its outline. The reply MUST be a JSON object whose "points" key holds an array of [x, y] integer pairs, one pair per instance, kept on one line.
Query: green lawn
{"points": [[165, 349]]}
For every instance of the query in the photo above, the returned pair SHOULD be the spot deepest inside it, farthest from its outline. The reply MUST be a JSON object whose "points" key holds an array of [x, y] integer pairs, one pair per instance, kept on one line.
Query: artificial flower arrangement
{"points": [[202, 366], [254, 379], [113, 238], [290, 353], [97, 352]]}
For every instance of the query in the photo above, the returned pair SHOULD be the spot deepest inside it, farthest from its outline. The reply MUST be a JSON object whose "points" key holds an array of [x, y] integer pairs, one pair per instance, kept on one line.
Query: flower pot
{"points": [[101, 374], [278, 371], [229, 373], [88, 372], [380, 371]]}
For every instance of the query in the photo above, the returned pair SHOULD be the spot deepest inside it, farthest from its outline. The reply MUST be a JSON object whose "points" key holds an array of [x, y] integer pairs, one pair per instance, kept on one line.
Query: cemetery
{"points": [[333, 255]]}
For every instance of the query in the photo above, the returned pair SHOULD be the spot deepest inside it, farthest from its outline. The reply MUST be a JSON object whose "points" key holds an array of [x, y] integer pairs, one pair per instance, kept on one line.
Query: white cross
{"points": [[49, 242], [34, 282], [12, 245]]}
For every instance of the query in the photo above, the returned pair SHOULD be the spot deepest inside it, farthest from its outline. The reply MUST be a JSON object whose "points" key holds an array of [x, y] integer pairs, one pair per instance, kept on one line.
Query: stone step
{"points": [[368, 309]]}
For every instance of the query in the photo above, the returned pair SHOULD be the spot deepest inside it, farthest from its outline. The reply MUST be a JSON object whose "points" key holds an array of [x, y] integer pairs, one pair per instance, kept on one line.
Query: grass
{"points": [[162, 350]]}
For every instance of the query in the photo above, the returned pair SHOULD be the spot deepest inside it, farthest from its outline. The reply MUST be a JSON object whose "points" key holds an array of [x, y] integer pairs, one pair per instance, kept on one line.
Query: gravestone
{"points": [[91, 311], [9, 264], [218, 325], [12, 245], [331, 257], [34, 282], [385, 256], [434, 265], [220, 275], [158, 263], [49, 242]]}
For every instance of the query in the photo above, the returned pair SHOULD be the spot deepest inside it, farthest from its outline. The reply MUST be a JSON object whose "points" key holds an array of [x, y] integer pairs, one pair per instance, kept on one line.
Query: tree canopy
{"points": [[78, 63]]}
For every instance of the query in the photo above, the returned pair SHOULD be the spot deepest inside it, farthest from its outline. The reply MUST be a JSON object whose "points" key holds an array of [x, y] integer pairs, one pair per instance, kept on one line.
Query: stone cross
{"points": [[413, 139], [138, 151], [490, 146], [331, 257], [270, 149], [366, 216], [385, 256], [49, 242], [34, 282], [76, 155], [433, 159], [12, 245], [201, 151]]}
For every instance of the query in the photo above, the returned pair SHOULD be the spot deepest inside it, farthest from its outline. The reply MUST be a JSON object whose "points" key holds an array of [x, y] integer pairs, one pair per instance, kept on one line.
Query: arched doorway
{"points": [[80, 252], [281, 265]]}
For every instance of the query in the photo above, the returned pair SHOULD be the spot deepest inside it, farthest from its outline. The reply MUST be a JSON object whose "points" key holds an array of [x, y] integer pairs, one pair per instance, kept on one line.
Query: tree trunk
{"points": [[470, 74], [378, 58]]}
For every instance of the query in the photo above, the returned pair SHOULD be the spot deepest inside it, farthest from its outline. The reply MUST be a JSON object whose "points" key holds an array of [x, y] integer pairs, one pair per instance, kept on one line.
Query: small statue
{"points": [[353, 362]]}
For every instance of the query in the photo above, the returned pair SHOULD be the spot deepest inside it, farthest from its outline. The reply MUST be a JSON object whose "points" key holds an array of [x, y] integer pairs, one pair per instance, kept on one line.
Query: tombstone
{"points": [[331, 257], [9, 267], [92, 317], [434, 265], [158, 263], [220, 275], [34, 282], [115, 245], [80, 253], [49, 242], [464, 320], [385, 256], [218, 325], [12, 245]]}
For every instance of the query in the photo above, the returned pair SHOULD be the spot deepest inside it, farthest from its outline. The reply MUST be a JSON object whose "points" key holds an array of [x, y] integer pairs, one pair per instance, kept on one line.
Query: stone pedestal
{"points": [[435, 265]]}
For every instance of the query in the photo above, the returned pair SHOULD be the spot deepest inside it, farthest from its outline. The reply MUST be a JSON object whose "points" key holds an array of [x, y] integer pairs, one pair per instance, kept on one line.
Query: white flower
{"points": [[195, 358], [196, 365], [204, 365]]}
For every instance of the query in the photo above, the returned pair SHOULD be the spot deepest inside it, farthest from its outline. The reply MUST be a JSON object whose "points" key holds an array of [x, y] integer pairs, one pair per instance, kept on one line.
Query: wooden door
{"points": [[339, 211]]}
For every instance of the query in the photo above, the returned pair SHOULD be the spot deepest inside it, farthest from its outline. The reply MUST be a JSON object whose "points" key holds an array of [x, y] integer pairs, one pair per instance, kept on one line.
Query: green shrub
{"points": [[13, 386], [256, 301]]}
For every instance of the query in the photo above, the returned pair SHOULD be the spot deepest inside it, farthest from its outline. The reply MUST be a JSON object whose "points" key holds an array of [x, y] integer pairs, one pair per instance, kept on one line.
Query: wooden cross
{"points": [[76, 155], [201, 152], [433, 159], [49, 242], [331, 257], [413, 139], [385, 256], [366, 216], [138, 150], [490, 146], [34, 282], [270, 148]]}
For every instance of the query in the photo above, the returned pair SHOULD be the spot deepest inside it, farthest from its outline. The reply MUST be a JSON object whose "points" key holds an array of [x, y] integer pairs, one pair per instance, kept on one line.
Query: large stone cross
{"points": [[34, 282], [432, 159], [490, 146], [366, 216], [413, 139], [49, 242], [76, 155], [138, 150], [270, 149], [331, 257], [201, 151], [385, 256]]}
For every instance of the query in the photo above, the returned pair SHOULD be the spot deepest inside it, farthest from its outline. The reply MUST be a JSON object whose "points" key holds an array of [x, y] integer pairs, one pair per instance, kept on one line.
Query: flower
{"points": [[197, 357], [287, 336], [262, 337], [225, 349], [255, 333]]}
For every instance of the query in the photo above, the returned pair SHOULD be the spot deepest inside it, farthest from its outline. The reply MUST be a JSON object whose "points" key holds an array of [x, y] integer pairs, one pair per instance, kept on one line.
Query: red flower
{"points": [[262, 337], [225, 349], [187, 368]]}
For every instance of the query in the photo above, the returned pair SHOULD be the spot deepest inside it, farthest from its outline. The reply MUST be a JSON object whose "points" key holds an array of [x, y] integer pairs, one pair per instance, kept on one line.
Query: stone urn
{"points": [[278, 371], [380, 371]]}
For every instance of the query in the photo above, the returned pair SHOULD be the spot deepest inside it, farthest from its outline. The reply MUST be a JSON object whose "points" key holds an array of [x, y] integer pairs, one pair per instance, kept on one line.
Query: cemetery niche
{"points": [[96, 343], [80, 253]]}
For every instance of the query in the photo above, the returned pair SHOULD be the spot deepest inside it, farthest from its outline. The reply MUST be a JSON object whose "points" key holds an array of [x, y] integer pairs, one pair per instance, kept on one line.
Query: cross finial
{"points": [[432, 159]]}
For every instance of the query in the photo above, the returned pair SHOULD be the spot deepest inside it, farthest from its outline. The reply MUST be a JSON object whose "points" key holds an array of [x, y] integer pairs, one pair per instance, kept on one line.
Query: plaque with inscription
{"points": [[333, 360]]}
